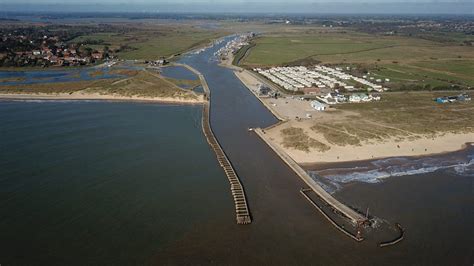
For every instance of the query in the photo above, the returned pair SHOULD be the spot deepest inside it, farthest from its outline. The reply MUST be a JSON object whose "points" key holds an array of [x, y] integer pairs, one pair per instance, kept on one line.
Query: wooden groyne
{"points": [[355, 217], [241, 207]]}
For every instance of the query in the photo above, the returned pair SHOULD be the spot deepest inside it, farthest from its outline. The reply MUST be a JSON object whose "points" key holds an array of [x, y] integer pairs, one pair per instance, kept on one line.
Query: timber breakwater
{"points": [[241, 207]]}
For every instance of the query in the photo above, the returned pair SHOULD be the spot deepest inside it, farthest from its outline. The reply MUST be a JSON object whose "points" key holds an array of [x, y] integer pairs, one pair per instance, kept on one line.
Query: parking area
{"points": [[292, 107]]}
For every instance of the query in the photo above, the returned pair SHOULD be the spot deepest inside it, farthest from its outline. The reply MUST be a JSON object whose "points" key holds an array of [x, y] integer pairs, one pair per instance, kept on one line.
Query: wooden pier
{"points": [[241, 207]]}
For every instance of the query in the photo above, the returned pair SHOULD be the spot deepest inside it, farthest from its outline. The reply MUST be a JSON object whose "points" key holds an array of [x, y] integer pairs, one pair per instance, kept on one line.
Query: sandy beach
{"points": [[448, 142], [97, 96]]}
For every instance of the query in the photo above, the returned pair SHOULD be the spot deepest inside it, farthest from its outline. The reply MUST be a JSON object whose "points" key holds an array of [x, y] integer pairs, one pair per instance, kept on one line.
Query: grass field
{"points": [[428, 73], [405, 60], [241, 54], [397, 117], [138, 83], [151, 43], [409, 114]]}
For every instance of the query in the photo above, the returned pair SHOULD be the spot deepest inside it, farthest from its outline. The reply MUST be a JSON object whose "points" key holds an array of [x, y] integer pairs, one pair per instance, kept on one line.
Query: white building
{"points": [[318, 106], [299, 77]]}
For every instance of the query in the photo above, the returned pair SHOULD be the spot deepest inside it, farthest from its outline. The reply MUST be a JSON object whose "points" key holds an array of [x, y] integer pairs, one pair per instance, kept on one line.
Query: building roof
{"points": [[317, 104]]}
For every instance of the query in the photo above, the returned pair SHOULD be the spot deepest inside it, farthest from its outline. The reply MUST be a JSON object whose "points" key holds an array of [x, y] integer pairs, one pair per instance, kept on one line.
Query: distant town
{"points": [[50, 46]]}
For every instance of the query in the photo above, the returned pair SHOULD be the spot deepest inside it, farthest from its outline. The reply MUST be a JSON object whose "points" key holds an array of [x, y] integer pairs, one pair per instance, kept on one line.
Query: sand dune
{"points": [[97, 96], [447, 142]]}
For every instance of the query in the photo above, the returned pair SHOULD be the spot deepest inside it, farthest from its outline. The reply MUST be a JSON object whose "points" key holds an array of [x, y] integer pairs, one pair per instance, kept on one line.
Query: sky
{"points": [[246, 6]]}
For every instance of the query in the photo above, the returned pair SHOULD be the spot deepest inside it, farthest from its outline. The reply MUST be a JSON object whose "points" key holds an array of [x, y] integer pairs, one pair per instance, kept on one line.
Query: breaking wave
{"points": [[378, 170]]}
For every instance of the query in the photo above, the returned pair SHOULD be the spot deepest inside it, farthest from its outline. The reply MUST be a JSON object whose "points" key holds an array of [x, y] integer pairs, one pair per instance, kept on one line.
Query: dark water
{"points": [[102, 183], [178, 72], [174, 207]]}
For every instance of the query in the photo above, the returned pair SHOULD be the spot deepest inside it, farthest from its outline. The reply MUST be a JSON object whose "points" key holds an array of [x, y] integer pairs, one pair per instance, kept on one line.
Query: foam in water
{"points": [[332, 179]]}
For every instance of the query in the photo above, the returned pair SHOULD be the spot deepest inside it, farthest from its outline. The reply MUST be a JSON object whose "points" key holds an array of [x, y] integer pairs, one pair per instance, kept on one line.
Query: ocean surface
{"points": [[334, 177], [103, 183]]}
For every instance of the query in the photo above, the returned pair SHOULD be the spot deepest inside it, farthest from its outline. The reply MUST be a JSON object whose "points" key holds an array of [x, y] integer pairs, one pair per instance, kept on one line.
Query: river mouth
{"points": [[282, 215], [155, 194]]}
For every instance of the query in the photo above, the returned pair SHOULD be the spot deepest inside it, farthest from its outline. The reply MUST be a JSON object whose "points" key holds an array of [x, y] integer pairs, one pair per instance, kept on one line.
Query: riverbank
{"points": [[252, 84], [98, 96]]}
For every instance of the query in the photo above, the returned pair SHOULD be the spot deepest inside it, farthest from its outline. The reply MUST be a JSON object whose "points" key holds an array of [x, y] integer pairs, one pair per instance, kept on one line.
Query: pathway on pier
{"points": [[241, 207]]}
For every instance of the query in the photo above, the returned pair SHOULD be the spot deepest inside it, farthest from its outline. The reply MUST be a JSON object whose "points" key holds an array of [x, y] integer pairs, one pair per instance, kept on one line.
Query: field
{"points": [[138, 83], [150, 41], [409, 61], [415, 114], [402, 124], [397, 117]]}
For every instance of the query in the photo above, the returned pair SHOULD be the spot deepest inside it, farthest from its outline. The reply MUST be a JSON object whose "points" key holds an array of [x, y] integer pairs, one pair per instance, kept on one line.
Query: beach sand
{"points": [[97, 96], [444, 143]]}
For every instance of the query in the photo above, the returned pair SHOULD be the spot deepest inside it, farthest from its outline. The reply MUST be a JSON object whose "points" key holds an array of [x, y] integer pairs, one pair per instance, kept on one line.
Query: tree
{"points": [[106, 51]]}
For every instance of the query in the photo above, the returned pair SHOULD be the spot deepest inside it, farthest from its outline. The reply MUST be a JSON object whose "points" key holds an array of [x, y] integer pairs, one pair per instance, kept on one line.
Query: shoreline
{"points": [[424, 147], [96, 96], [247, 79], [250, 82], [318, 166]]}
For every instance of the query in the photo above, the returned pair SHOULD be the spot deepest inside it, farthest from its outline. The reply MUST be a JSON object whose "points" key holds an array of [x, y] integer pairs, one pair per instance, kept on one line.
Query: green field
{"points": [[428, 73], [407, 61], [282, 50], [151, 43]]}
